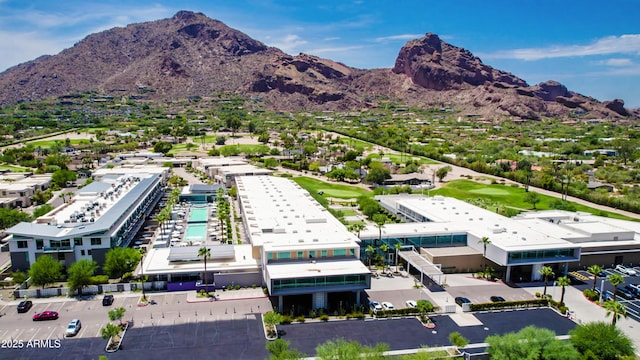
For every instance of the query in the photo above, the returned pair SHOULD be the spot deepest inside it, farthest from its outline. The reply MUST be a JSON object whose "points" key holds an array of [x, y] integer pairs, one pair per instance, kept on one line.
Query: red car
{"points": [[46, 315]]}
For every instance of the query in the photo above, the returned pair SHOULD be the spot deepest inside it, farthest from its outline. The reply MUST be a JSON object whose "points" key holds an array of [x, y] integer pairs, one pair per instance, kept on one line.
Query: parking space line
{"points": [[34, 334], [98, 334], [51, 334]]}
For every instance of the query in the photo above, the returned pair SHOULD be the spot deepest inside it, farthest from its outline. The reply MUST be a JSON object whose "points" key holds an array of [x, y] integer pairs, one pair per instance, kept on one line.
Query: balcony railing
{"points": [[50, 249]]}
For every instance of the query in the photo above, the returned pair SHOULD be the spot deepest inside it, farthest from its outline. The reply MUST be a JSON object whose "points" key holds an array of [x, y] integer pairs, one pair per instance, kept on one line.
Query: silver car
{"points": [[73, 327]]}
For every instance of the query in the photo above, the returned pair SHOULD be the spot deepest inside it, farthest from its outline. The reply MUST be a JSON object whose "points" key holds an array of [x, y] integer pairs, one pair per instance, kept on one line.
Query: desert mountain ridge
{"points": [[190, 54]]}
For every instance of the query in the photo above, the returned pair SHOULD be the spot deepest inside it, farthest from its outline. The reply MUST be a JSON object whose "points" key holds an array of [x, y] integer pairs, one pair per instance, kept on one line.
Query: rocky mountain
{"points": [[191, 54]]}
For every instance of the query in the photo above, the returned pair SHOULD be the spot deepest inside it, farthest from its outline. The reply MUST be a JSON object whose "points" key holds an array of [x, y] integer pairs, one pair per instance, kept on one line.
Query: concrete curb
{"points": [[199, 300]]}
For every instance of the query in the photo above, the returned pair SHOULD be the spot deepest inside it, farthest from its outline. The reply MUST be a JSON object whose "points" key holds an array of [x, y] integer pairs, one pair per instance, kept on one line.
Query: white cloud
{"points": [[619, 62], [290, 43], [624, 44], [338, 49], [399, 37]]}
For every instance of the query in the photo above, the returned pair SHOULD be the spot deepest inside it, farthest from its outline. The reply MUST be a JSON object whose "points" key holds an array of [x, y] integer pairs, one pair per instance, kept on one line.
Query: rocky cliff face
{"points": [[190, 54]]}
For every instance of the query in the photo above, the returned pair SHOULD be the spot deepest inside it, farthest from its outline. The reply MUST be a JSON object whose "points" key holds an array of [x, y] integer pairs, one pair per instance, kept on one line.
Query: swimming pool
{"points": [[198, 215], [195, 232]]}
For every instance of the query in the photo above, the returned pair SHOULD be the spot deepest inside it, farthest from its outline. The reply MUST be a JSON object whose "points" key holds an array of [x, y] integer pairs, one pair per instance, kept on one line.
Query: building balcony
{"points": [[51, 249]]}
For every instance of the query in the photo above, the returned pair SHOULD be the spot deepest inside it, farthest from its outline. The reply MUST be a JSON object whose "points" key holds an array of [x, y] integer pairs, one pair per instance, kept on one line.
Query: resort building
{"points": [[106, 213], [445, 235], [225, 170], [16, 190]]}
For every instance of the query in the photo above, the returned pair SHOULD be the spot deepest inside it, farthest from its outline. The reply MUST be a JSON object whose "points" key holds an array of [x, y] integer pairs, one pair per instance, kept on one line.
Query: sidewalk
{"points": [[192, 296]]}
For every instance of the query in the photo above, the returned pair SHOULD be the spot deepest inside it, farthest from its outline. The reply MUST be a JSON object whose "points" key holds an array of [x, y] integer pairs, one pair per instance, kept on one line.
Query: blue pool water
{"points": [[196, 232], [198, 214]]}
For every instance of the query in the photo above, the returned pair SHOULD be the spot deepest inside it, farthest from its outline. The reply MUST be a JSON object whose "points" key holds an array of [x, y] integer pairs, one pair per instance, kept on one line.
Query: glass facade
{"points": [[427, 241], [555, 255], [319, 281]]}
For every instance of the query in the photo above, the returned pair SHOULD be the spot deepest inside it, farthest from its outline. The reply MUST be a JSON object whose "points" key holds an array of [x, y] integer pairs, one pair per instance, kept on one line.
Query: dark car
{"points": [[107, 300], [625, 294], [462, 300], [496, 298], [46, 315], [24, 306]]}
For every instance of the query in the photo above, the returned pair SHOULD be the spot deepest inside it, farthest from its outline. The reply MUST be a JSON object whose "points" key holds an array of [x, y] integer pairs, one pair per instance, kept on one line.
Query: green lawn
{"points": [[508, 196], [348, 212], [50, 143], [329, 189], [356, 143], [403, 158], [14, 168]]}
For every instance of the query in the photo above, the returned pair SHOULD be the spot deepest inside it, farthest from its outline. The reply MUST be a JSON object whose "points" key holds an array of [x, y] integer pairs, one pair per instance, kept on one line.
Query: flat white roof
{"points": [[307, 269], [156, 261], [280, 215]]}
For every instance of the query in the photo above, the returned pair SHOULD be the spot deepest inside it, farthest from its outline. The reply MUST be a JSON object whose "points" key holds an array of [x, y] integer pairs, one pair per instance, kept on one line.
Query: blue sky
{"points": [[593, 47]]}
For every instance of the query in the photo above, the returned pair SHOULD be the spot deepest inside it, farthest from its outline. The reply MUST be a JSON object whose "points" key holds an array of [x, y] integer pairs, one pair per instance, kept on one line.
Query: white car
{"points": [[375, 306], [626, 270], [73, 327], [387, 306], [411, 303]]}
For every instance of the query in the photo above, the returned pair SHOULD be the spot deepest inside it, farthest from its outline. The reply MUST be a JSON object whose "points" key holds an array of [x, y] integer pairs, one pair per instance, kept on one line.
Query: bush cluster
{"points": [[509, 305]]}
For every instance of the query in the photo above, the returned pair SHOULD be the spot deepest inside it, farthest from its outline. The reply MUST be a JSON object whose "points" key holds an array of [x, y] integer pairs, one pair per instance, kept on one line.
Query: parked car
{"points": [[107, 300], [375, 306], [46, 315], [73, 327], [388, 306], [462, 300], [625, 294], [24, 306], [625, 270], [496, 298], [605, 296], [411, 303], [633, 290]]}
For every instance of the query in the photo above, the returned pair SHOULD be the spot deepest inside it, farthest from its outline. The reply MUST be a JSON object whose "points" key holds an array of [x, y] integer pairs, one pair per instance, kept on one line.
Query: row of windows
{"points": [[525, 256], [60, 243], [319, 281], [310, 254]]}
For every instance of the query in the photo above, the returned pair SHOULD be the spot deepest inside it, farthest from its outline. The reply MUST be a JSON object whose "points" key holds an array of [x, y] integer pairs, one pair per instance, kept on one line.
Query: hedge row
{"points": [[509, 305]]}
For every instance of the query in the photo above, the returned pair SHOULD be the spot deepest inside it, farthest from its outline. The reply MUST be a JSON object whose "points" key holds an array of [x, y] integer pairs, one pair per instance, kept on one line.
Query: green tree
{"points": [[119, 261], [615, 280], [45, 270], [370, 250], [61, 177], [442, 172], [380, 220], [10, 217], [341, 349], [530, 343], [456, 339], [357, 228], [563, 281], [41, 210], [162, 147], [279, 350], [594, 270], [614, 309], [601, 340], [532, 198], [398, 247], [485, 241], [424, 306], [117, 314], [271, 319], [377, 174], [110, 331], [205, 253], [80, 273], [546, 272]]}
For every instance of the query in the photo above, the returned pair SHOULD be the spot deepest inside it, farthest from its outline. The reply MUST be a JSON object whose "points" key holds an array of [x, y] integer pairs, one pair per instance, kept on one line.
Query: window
{"points": [[284, 255], [323, 253], [312, 254], [88, 252], [39, 244], [96, 241], [77, 241], [300, 255], [269, 256], [339, 252], [22, 245], [66, 243], [82, 252], [61, 256]]}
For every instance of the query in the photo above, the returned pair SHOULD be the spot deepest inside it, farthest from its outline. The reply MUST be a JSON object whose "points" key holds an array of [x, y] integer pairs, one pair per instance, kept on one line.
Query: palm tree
{"points": [[546, 271], [380, 220], [616, 309], [370, 249], [615, 280], [205, 252], [385, 250], [594, 270], [398, 246], [485, 241], [356, 228], [563, 281]]}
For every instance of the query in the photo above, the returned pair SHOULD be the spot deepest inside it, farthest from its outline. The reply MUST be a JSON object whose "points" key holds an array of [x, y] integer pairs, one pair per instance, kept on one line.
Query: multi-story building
{"points": [[106, 213], [16, 190]]}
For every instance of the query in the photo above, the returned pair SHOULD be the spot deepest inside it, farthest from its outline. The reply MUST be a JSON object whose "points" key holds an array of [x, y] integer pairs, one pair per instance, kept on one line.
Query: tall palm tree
{"points": [[563, 281], [370, 249], [485, 241], [546, 271], [205, 252], [380, 220], [357, 228], [385, 251], [615, 280], [616, 309], [594, 270], [398, 246]]}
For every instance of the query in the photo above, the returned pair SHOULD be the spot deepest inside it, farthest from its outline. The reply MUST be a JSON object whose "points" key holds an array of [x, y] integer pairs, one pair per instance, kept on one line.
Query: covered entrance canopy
{"points": [[423, 265]]}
